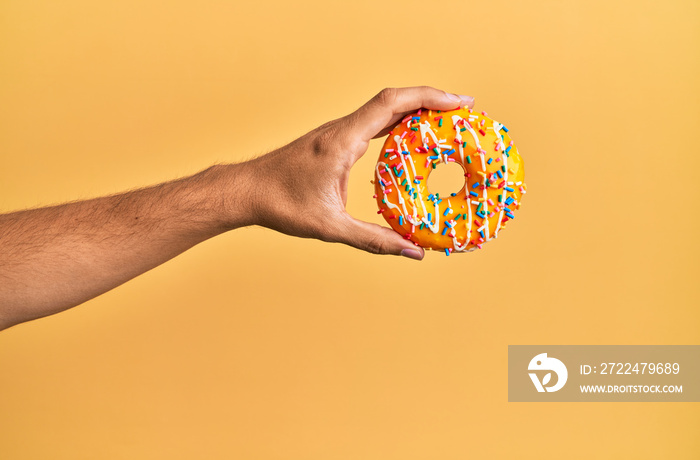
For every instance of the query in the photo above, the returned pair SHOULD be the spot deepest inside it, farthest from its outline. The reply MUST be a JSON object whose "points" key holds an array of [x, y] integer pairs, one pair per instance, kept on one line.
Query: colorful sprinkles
{"points": [[464, 220]]}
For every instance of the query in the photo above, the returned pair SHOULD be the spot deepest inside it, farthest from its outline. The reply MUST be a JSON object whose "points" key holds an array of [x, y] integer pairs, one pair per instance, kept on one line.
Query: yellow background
{"points": [[258, 345]]}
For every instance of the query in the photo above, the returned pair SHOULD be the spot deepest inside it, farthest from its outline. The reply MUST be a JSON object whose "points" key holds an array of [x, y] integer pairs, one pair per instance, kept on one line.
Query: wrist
{"points": [[232, 189]]}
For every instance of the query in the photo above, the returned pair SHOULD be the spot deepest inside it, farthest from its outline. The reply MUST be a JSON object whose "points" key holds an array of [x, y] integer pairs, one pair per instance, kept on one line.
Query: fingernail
{"points": [[412, 254], [467, 99], [454, 97]]}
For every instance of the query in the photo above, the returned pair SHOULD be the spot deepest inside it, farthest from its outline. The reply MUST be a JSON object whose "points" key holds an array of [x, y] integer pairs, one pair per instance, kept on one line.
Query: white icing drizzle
{"points": [[458, 134], [434, 227], [425, 128], [504, 158], [389, 204], [455, 121]]}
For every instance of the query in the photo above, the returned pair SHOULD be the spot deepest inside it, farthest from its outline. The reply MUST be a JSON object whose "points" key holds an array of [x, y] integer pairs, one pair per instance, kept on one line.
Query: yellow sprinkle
{"points": [[511, 171]]}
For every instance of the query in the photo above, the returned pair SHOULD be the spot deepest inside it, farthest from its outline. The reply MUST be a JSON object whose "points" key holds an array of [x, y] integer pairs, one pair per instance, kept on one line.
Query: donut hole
{"points": [[446, 178]]}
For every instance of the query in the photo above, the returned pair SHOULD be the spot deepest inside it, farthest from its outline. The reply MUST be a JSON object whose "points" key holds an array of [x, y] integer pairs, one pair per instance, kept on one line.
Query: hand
{"points": [[301, 188]]}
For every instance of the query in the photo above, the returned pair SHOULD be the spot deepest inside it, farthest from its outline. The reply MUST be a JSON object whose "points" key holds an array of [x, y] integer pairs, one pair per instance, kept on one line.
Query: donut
{"points": [[465, 220]]}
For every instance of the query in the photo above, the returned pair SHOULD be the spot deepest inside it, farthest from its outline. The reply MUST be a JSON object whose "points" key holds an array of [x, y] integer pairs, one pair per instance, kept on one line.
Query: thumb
{"points": [[377, 239]]}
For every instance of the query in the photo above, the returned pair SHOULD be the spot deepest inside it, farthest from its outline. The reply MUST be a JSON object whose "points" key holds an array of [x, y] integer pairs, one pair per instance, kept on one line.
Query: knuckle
{"points": [[375, 245], [323, 141], [387, 96]]}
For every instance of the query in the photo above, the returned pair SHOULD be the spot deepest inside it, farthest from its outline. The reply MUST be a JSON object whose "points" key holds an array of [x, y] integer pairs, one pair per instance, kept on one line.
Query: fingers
{"points": [[392, 104], [377, 239]]}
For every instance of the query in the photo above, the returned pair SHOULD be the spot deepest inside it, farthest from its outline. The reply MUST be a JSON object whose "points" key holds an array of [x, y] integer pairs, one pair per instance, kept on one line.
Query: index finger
{"points": [[391, 104]]}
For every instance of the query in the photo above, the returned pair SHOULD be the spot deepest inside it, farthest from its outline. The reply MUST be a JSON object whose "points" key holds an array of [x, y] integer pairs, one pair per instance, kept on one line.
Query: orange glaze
{"points": [[463, 229]]}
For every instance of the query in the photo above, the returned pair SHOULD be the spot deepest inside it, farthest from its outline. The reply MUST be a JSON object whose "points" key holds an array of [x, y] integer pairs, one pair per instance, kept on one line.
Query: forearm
{"points": [[54, 258]]}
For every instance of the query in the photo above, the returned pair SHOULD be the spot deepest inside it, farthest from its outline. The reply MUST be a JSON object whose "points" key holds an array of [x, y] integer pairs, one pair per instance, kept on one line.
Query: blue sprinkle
{"points": [[504, 128], [400, 220], [481, 232], [490, 161], [447, 252], [476, 184], [511, 216], [416, 181], [418, 118], [447, 211], [507, 210], [444, 231], [434, 157], [399, 174], [473, 194], [439, 201], [500, 175], [453, 194], [481, 214], [430, 217], [508, 149], [450, 152], [509, 189], [405, 152], [509, 200]]}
